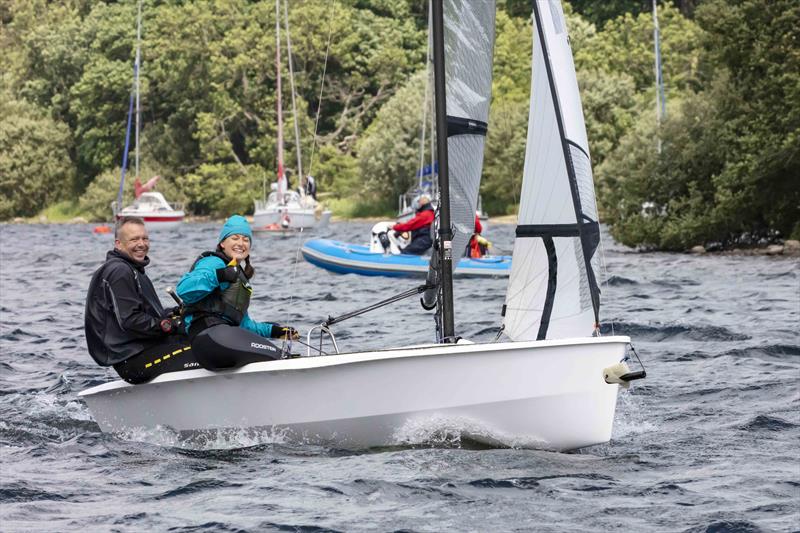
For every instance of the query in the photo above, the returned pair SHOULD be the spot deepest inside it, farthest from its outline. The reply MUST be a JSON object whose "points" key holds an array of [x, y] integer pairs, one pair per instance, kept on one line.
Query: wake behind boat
{"points": [[346, 258]]}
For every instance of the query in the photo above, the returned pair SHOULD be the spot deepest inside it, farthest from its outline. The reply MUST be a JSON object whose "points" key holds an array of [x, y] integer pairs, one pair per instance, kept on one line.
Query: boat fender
{"points": [[614, 373]]}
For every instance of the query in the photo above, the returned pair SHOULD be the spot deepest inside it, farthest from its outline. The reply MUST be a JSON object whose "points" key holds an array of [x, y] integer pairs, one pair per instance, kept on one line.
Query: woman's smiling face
{"points": [[236, 247]]}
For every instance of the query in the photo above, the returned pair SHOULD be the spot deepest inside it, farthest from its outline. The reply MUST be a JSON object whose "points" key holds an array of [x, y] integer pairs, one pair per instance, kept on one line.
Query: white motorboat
{"points": [[155, 210], [553, 380]]}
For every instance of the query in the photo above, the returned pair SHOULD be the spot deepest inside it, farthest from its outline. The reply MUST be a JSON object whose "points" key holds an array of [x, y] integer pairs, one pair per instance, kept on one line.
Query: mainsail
{"points": [[552, 291], [468, 50]]}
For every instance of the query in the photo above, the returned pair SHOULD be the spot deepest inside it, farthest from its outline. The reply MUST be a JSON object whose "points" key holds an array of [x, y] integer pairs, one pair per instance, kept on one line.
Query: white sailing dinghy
{"points": [[544, 387]]}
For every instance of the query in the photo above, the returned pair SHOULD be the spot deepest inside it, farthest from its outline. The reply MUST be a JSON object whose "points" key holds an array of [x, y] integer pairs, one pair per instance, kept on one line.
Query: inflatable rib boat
{"points": [[345, 258]]}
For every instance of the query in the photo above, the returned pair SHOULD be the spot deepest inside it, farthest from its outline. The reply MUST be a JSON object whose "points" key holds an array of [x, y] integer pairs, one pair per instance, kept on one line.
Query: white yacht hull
{"points": [[154, 209], [158, 221], [294, 218], [539, 394], [278, 219]]}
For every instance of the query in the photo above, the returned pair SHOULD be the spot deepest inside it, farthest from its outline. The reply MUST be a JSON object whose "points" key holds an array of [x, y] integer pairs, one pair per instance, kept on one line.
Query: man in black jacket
{"points": [[126, 326]]}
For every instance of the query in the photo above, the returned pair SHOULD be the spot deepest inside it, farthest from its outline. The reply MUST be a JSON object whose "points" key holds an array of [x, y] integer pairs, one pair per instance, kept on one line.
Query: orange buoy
{"points": [[101, 229]]}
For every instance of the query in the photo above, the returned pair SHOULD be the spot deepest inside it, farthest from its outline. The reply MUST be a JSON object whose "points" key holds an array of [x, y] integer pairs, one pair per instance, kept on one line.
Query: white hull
{"points": [[539, 394], [162, 224], [295, 219], [156, 220], [154, 209], [295, 213]]}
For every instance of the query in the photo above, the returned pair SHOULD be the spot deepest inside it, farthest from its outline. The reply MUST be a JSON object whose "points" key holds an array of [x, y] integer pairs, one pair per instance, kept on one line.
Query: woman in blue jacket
{"points": [[216, 292]]}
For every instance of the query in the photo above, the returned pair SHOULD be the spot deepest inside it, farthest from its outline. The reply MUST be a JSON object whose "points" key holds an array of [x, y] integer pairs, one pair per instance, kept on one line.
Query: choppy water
{"points": [[708, 443]]}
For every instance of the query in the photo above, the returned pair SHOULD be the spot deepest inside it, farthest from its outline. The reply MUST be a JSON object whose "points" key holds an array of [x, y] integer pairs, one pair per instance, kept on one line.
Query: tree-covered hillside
{"points": [[727, 170]]}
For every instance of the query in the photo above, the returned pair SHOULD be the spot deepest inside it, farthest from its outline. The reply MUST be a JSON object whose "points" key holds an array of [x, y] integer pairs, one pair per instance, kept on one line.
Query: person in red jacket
{"points": [[420, 228], [478, 246]]}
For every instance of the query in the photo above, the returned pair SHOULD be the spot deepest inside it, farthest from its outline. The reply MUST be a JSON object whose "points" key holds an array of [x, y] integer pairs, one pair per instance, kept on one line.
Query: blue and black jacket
{"points": [[210, 301]]}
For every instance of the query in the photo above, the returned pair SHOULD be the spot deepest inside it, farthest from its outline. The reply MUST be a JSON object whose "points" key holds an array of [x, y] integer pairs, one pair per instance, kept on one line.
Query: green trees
{"points": [[389, 150], [208, 85], [35, 168], [727, 170], [755, 47]]}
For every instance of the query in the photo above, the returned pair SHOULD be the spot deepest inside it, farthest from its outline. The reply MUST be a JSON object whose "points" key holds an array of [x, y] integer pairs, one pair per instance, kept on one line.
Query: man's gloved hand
{"points": [[284, 332], [229, 274], [173, 311]]}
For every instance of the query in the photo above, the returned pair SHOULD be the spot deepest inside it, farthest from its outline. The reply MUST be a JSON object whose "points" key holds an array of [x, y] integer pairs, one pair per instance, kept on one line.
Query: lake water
{"points": [[709, 442]]}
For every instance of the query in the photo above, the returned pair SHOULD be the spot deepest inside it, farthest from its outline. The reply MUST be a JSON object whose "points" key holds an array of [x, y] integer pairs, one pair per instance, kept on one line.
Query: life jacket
{"points": [[222, 306], [477, 247], [423, 234]]}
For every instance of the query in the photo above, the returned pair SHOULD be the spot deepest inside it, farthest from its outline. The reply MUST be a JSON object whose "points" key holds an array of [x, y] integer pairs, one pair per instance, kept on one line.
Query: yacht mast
{"points": [[294, 103], [661, 101], [281, 175], [137, 69], [445, 236], [425, 106], [134, 99]]}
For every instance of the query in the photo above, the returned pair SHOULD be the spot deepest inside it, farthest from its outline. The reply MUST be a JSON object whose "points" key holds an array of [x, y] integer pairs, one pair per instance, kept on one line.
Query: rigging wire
{"points": [[322, 84], [291, 284], [287, 343], [605, 282]]}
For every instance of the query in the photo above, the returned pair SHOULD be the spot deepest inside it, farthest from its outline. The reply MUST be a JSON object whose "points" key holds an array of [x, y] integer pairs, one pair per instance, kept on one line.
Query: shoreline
{"points": [[786, 248]]}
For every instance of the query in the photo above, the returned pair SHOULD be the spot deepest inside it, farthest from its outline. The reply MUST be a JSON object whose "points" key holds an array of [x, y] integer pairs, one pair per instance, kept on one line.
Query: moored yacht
{"points": [[155, 210]]}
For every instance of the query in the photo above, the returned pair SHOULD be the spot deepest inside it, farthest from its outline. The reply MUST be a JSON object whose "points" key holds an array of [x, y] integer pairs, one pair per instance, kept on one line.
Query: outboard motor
{"points": [[383, 240]]}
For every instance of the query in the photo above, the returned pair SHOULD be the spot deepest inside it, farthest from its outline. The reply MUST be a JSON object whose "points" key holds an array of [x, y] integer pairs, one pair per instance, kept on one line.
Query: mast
{"points": [[425, 106], [281, 176], [294, 103], [134, 99], [661, 101], [434, 183], [421, 165], [137, 68], [445, 236]]}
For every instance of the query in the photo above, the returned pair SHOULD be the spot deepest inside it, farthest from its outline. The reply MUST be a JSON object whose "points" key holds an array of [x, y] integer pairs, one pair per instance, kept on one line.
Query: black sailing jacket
{"points": [[123, 312]]}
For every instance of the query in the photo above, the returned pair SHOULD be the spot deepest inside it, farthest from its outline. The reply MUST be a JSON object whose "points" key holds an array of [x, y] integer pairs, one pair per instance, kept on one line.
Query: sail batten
{"points": [[552, 288]]}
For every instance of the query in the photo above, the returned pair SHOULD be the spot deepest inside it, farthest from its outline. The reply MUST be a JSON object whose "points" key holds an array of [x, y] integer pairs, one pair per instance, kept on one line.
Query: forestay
{"points": [[552, 290]]}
